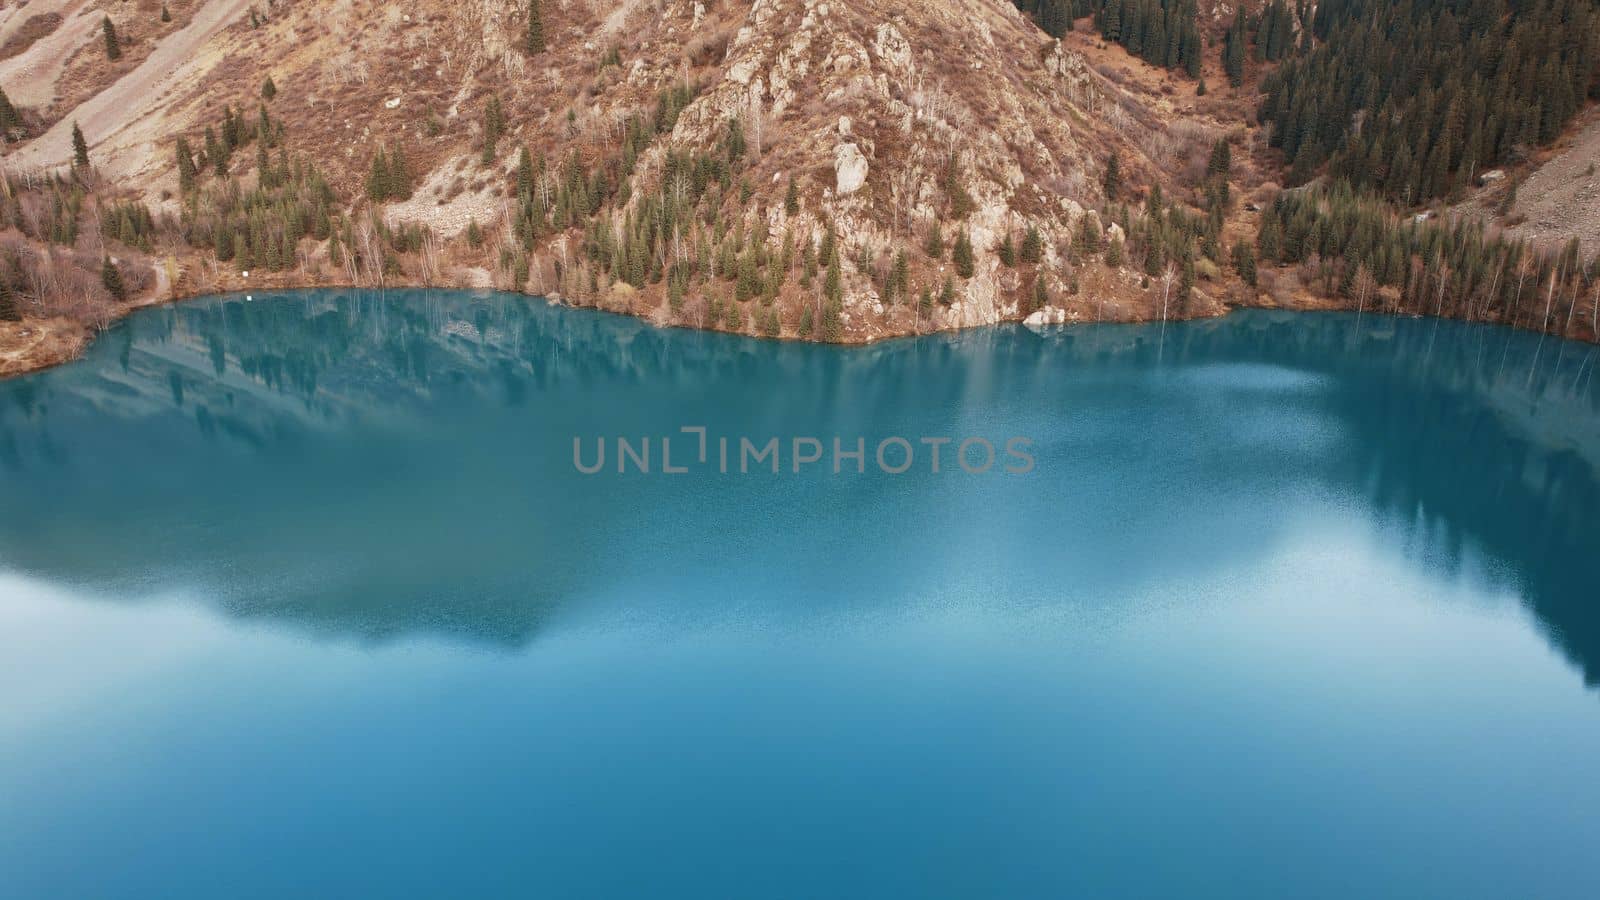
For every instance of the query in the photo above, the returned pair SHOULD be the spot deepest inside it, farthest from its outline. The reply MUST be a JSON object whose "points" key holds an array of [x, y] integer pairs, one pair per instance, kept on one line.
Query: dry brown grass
{"points": [[32, 30]]}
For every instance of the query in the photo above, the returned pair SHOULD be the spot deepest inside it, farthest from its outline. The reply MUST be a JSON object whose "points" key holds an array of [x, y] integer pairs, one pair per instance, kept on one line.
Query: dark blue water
{"points": [[304, 596]]}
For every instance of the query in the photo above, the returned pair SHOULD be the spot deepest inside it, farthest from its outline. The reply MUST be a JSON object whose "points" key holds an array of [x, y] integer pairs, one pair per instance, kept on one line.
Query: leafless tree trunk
{"points": [[1524, 265], [1444, 280], [1594, 315], [430, 258], [1549, 298], [1168, 276]]}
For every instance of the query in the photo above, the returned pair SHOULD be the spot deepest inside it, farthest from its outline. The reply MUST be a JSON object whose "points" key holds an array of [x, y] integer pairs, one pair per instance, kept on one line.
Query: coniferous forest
{"points": [[1415, 98]]}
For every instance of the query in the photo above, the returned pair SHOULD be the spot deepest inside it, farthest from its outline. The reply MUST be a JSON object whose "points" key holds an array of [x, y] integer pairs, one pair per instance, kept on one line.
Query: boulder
{"points": [[850, 169]]}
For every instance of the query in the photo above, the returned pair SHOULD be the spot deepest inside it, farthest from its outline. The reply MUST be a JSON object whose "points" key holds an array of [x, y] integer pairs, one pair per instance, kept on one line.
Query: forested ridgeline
{"points": [[1415, 98], [1160, 32], [1402, 103]]}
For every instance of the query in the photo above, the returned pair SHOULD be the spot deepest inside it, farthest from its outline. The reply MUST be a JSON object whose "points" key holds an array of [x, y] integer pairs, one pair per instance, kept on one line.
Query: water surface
{"points": [[304, 595]]}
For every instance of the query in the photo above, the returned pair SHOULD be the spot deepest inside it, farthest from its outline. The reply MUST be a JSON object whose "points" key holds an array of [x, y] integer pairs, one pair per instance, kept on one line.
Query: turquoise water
{"points": [[304, 596]]}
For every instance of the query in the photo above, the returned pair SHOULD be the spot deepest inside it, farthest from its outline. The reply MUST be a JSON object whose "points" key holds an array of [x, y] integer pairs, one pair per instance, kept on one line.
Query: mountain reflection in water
{"points": [[383, 463]]}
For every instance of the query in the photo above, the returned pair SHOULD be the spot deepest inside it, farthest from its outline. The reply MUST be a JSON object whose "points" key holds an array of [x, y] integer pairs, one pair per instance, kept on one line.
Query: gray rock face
{"points": [[850, 168]]}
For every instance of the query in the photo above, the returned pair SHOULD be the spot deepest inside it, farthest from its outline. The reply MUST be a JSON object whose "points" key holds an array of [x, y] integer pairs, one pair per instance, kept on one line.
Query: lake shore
{"points": [[34, 344]]}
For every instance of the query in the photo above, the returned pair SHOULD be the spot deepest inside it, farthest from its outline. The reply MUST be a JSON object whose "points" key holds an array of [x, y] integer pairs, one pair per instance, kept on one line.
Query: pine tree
{"points": [[791, 198], [113, 47], [533, 41], [268, 89], [166, 14], [80, 148], [111, 278], [1112, 181]]}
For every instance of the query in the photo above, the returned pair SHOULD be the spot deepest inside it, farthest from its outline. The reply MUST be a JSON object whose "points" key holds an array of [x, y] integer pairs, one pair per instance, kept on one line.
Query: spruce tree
{"points": [[113, 46], [1112, 181], [268, 89], [1233, 50], [1114, 253], [962, 256], [80, 148], [399, 181], [833, 282], [166, 14], [111, 278], [494, 123], [1007, 251], [533, 41], [9, 310], [1032, 245], [9, 119], [378, 178], [525, 174], [186, 170]]}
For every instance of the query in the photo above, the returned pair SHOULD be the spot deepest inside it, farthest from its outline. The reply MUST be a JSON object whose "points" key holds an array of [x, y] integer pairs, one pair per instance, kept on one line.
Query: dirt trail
{"points": [[123, 123], [30, 78], [38, 343]]}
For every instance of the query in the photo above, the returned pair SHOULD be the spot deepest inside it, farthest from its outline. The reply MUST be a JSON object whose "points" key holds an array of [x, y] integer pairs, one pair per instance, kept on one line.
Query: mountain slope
{"points": [[811, 169]]}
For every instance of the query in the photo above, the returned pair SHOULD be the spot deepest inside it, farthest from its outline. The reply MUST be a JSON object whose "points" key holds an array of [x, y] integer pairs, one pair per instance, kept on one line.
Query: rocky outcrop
{"points": [[850, 169]]}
